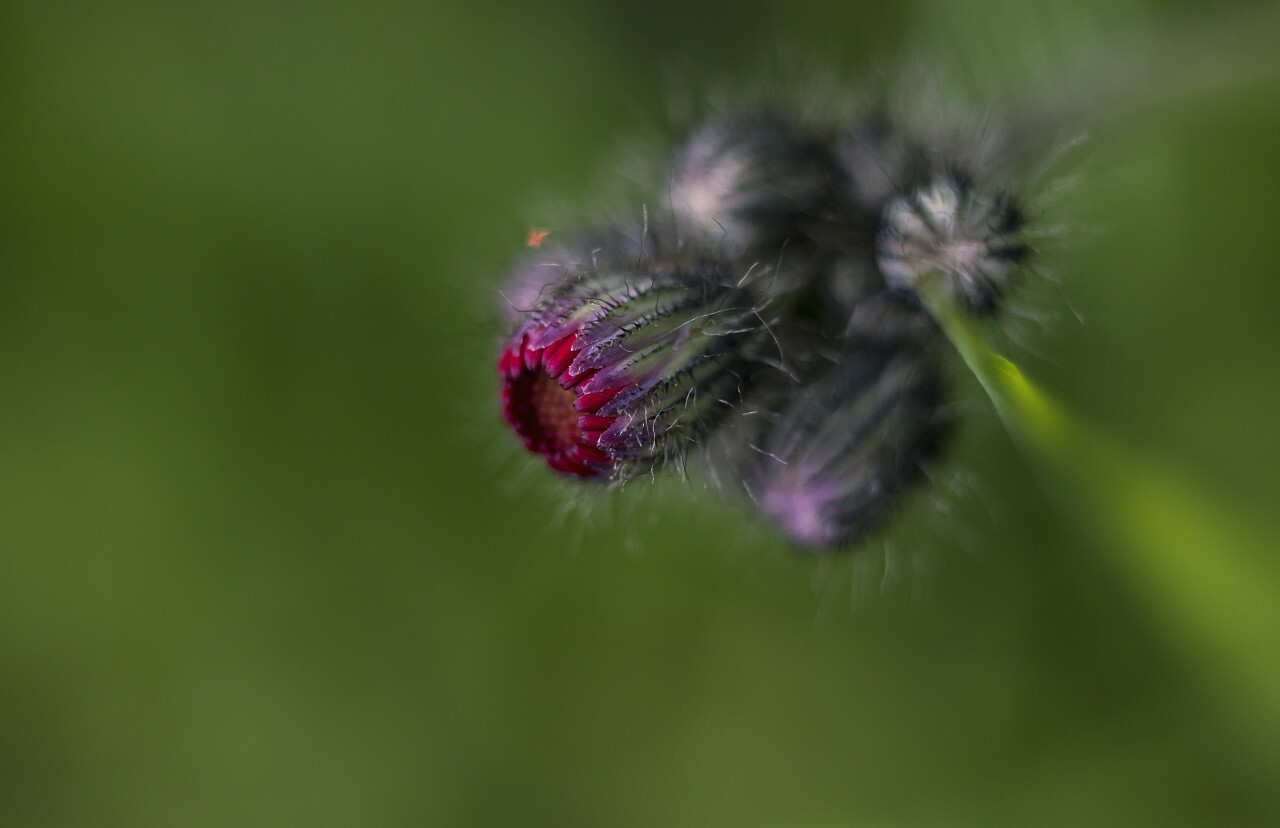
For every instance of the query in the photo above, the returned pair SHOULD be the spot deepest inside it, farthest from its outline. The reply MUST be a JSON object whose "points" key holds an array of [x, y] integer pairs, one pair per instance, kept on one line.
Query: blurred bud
{"points": [[755, 180], [619, 370], [972, 239], [848, 447]]}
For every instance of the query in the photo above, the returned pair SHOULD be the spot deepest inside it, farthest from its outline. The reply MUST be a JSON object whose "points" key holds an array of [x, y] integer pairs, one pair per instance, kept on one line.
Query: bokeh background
{"points": [[267, 556]]}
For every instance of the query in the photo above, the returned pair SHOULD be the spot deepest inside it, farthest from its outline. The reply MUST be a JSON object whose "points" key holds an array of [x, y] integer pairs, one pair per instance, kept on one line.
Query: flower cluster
{"points": [[767, 307]]}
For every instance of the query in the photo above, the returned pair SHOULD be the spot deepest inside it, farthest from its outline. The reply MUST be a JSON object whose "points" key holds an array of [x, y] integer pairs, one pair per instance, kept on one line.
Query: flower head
{"points": [[617, 371]]}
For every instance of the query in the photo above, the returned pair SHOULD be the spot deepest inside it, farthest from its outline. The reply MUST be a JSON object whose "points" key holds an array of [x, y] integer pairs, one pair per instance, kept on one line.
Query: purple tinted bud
{"points": [[754, 180], [618, 371], [848, 448]]}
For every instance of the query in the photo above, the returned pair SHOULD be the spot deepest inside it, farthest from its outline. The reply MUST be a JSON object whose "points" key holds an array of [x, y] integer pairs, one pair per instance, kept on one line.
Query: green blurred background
{"points": [[267, 556]]}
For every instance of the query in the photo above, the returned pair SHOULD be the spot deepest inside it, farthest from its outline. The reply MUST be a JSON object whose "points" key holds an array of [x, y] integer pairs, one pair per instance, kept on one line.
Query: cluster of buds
{"points": [[767, 306]]}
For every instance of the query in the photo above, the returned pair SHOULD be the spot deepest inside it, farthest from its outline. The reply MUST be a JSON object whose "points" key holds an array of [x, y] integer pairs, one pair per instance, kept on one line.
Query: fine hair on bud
{"points": [[557, 256]]}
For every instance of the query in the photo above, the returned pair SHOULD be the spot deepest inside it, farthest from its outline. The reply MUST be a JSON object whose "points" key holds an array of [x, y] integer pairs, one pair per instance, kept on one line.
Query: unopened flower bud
{"points": [[971, 239], [754, 180], [848, 447], [617, 371]]}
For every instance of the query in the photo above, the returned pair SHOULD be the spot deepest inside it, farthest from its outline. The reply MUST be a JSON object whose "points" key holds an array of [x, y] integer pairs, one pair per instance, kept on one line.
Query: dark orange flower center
{"points": [[552, 409], [554, 421]]}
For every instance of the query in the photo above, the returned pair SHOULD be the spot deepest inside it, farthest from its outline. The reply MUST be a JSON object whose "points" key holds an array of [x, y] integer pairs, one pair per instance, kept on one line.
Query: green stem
{"points": [[1210, 575]]}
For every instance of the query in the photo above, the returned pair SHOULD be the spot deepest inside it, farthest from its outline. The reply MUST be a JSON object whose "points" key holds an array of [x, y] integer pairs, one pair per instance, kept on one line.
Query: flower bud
{"points": [[754, 180], [848, 447], [617, 371], [971, 239]]}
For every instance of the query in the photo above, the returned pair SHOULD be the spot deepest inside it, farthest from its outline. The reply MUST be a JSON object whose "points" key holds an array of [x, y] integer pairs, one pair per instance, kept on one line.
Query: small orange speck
{"points": [[535, 237]]}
